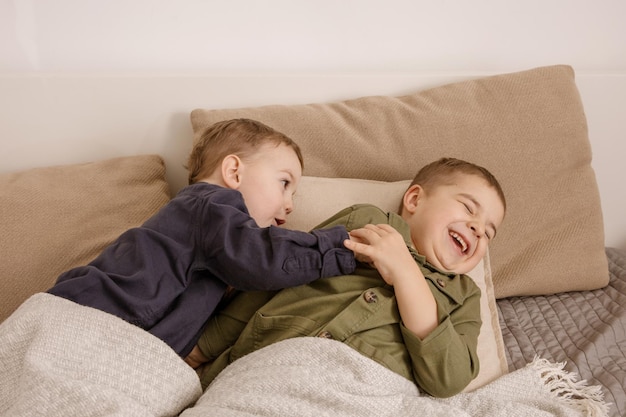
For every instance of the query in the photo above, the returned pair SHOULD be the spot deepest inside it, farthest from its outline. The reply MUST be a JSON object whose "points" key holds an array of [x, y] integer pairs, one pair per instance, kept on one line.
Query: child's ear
{"points": [[231, 171], [411, 198]]}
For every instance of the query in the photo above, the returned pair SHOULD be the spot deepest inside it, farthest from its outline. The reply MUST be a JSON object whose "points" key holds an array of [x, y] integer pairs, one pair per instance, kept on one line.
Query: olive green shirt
{"points": [[361, 311]]}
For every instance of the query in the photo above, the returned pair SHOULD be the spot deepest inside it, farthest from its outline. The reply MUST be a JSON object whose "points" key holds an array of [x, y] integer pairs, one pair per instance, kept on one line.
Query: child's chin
{"points": [[468, 268]]}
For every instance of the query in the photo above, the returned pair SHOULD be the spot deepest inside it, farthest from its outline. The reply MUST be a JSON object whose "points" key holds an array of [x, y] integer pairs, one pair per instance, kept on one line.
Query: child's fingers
{"points": [[356, 246], [360, 250], [367, 233], [386, 227]]}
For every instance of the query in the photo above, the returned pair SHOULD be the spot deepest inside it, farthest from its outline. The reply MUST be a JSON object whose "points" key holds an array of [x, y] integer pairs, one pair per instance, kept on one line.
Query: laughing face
{"points": [[451, 225]]}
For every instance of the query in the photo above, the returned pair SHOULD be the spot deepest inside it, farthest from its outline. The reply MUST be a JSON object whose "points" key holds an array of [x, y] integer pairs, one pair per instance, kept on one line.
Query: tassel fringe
{"points": [[565, 386]]}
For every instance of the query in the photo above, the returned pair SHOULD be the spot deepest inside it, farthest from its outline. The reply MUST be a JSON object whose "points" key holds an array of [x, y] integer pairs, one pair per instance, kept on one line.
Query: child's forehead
{"points": [[469, 184], [461, 180]]}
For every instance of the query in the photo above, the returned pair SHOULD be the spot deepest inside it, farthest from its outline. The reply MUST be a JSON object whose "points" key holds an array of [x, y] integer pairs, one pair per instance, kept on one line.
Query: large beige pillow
{"points": [[319, 198], [528, 128], [59, 217]]}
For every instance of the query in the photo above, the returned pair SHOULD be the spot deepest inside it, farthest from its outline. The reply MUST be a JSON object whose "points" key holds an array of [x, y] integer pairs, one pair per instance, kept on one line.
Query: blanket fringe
{"points": [[564, 385]]}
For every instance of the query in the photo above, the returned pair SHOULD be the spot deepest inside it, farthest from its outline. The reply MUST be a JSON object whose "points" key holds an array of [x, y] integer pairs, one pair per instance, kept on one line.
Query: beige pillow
{"points": [[528, 128], [59, 217], [318, 198]]}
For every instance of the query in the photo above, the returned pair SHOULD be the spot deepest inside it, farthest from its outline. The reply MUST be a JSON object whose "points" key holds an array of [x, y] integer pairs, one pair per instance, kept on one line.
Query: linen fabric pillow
{"points": [[528, 128], [319, 198], [56, 218]]}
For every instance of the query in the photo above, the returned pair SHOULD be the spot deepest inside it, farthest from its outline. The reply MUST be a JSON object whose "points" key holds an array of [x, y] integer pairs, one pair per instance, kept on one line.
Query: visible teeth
{"points": [[460, 240]]}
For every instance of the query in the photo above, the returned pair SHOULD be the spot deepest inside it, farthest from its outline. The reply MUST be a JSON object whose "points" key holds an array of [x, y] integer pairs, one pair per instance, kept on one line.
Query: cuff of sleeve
{"points": [[336, 259], [338, 262], [330, 238], [441, 366], [438, 340]]}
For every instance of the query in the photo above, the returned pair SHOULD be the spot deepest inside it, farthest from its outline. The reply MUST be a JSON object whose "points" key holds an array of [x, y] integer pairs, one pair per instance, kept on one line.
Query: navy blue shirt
{"points": [[168, 275]]}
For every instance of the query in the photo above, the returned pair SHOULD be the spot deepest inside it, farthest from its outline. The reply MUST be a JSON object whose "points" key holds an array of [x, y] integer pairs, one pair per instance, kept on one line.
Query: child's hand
{"points": [[381, 246], [387, 251], [195, 358], [354, 239]]}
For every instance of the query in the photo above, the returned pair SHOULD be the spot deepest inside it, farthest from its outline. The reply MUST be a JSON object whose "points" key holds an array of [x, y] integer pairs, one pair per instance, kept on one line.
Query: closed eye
{"points": [[468, 208], [490, 231]]}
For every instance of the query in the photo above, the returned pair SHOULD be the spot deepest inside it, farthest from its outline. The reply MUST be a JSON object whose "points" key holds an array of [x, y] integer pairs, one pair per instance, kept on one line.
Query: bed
{"points": [[553, 337]]}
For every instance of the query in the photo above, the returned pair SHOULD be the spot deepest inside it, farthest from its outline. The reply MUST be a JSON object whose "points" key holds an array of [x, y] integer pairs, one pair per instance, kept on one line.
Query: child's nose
{"points": [[478, 229], [289, 206]]}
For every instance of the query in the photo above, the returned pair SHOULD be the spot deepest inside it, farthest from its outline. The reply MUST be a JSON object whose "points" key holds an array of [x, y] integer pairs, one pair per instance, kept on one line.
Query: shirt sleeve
{"points": [[446, 361], [247, 257]]}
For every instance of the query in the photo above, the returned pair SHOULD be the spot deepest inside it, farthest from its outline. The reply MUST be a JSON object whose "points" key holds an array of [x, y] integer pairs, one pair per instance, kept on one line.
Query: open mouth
{"points": [[279, 222], [460, 242]]}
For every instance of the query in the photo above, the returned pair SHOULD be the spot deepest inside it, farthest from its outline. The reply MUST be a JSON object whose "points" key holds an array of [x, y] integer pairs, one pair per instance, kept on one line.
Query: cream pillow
{"points": [[55, 218], [528, 128], [318, 198]]}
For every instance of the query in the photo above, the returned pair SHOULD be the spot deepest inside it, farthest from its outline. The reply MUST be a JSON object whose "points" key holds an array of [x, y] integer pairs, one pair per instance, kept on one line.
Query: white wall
{"points": [[252, 36], [310, 35]]}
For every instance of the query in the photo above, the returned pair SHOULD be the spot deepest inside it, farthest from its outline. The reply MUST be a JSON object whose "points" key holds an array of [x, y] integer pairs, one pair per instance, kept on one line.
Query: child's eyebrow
{"points": [[478, 206], [288, 172]]}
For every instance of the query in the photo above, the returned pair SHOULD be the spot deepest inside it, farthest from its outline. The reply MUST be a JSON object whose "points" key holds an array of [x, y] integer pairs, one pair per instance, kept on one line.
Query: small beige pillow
{"points": [[319, 198], [528, 128], [59, 217]]}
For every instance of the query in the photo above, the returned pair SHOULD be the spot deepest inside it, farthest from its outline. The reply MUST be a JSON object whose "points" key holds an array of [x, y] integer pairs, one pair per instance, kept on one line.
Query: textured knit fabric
{"points": [[61, 359], [312, 377]]}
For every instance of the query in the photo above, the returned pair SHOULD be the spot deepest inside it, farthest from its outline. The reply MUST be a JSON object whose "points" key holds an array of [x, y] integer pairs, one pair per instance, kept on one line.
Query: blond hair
{"points": [[241, 137]]}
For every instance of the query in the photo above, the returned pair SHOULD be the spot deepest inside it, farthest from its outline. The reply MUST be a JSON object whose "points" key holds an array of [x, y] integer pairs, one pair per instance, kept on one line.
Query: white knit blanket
{"points": [[61, 359], [58, 358], [319, 377]]}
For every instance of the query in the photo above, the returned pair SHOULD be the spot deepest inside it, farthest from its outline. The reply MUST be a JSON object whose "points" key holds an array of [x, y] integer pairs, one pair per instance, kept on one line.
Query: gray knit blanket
{"points": [[61, 359]]}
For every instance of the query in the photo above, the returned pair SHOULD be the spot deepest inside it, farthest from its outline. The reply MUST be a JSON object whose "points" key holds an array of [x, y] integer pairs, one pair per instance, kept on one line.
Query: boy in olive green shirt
{"points": [[408, 305]]}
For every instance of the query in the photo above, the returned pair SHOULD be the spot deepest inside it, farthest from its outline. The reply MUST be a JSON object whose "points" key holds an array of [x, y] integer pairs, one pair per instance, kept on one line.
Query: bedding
{"points": [[545, 299], [62, 359], [587, 330], [310, 376]]}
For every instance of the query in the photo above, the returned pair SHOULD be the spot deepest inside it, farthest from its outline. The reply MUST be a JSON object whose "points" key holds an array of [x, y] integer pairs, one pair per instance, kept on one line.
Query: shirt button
{"points": [[325, 334], [441, 283], [370, 296]]}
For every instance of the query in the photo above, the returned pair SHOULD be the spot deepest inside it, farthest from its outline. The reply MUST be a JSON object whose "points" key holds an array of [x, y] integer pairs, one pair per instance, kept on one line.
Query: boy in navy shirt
{"points": [[168, 275]]}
